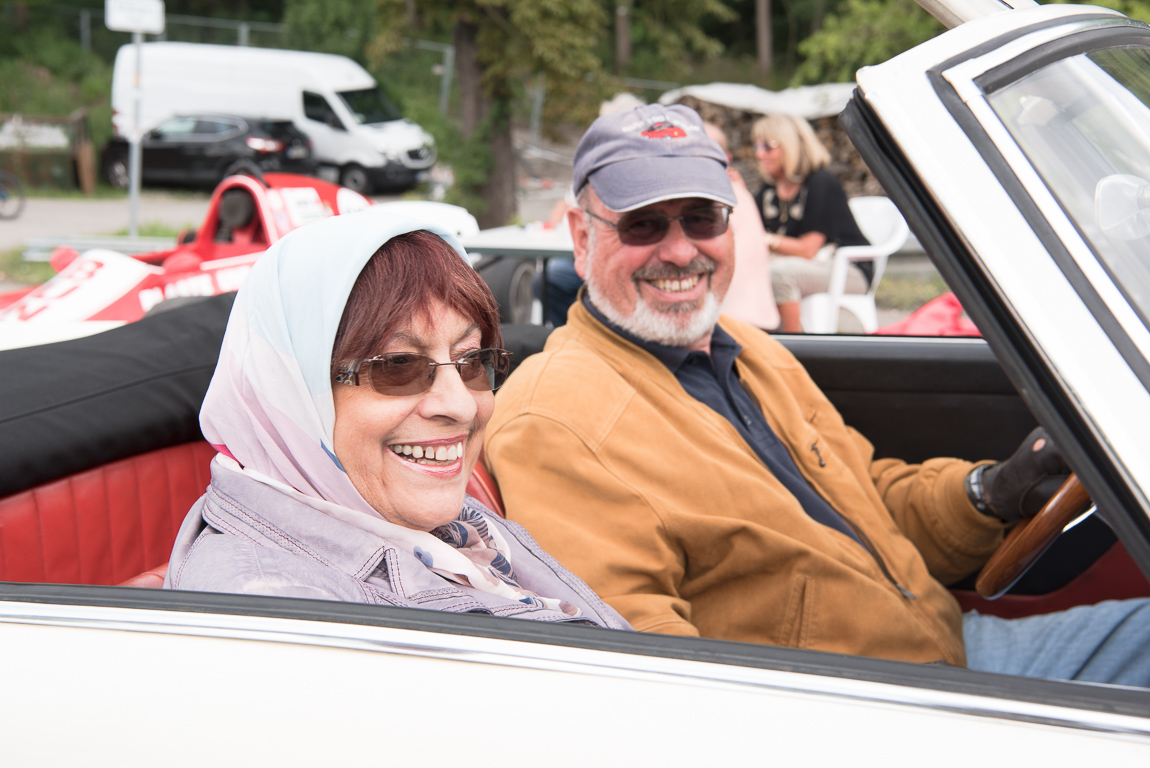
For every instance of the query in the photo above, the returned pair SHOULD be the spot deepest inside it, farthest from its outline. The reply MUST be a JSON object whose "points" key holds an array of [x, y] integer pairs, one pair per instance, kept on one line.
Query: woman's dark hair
{"points": [[399, 282]]}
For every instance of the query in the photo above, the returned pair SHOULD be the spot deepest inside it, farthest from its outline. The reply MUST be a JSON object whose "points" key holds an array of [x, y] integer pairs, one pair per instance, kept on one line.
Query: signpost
{"points": [[137, 17]]}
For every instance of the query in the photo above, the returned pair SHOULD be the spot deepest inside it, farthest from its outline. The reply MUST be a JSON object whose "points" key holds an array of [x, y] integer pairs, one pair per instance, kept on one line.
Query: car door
{"points": [[218, 144], [166, 150], [333, 143], [997, 155]]}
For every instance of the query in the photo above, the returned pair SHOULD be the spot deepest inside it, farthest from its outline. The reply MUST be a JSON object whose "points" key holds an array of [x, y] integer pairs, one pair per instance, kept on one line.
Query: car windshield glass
{"points": [[181, 126], [1084, 122], [370, 106]]}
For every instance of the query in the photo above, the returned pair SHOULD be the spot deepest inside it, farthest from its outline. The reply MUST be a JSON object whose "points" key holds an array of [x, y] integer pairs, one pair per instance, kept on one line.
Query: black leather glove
{"points": [[1019, 486]]}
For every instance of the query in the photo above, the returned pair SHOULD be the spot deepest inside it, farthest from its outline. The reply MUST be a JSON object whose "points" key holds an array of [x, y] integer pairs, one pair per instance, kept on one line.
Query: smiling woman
{"points": [[348, 406]]}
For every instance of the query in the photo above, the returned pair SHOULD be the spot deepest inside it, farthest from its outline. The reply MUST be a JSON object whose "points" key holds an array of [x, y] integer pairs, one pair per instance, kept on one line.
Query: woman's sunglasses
{"points": [[648, 227], [406, 373]]}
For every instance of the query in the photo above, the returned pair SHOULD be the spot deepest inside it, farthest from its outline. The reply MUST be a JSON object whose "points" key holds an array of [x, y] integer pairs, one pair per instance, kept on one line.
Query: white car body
{"points": [[111, 675]]}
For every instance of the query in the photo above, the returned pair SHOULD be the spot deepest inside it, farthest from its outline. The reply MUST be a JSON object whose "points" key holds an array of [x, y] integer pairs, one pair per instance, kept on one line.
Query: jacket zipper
{"points": [[867, 543], [877, 557]]}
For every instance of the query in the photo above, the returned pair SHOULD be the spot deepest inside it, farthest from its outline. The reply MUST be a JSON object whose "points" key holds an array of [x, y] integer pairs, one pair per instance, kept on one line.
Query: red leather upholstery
{"points": [[482, 486], [1114, 576], [104, 525], [110, 525]]}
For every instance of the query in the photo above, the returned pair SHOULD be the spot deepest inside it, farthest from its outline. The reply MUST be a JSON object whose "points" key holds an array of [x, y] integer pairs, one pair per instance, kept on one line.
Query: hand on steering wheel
{"points": [[1018, 487], [1030, 538]]}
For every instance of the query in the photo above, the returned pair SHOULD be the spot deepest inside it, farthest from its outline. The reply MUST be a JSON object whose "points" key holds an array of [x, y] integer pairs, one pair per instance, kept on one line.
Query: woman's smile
{"points": [[431, 453], [410, 456]]}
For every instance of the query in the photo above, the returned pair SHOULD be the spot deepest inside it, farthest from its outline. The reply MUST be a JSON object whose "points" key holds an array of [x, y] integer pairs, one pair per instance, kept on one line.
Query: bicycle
{"points": [[11, 196]]}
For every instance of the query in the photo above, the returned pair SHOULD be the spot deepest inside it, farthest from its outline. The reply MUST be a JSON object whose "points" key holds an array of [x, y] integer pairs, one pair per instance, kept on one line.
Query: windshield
{"points": [[370, 106], [1084, 122]]}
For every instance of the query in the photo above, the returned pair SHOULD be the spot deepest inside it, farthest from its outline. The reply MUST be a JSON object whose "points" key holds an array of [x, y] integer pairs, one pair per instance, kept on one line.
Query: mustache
{"points": [[663, 271]]}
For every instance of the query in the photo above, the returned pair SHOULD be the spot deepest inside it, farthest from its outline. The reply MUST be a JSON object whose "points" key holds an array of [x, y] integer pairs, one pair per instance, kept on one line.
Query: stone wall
{"points": [[846, 163]]}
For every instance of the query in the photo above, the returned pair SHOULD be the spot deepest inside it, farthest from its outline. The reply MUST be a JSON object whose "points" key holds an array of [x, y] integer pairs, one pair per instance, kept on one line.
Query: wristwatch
{"points": [[976, 492]]}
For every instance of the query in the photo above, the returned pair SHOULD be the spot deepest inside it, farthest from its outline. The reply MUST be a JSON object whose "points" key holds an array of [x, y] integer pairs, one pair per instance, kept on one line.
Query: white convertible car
{"points": [[1017, 145]]}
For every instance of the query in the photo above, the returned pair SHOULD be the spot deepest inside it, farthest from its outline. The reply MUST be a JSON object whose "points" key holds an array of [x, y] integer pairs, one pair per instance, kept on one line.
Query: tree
{"points": [[334, 26], [498, 44], [863, 32], [763, 35], [622, 36]]}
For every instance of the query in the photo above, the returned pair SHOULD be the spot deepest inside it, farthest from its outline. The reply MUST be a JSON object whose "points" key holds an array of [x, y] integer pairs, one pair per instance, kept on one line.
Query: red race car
{"points": [[101, 288]]}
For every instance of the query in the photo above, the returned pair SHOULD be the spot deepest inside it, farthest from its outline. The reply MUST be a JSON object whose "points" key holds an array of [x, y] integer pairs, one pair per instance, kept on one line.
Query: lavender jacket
{"points": [[244, 536]]}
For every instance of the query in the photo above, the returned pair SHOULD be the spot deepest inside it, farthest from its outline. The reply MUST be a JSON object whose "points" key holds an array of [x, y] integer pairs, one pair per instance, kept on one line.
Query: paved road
{"points": [[52, 217]]}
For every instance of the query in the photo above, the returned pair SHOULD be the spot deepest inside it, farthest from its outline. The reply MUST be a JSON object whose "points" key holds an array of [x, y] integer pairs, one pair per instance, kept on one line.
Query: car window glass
{"points": [[1084, 122], [215, 127], [180, 126], [370, 106], [315, 107]]}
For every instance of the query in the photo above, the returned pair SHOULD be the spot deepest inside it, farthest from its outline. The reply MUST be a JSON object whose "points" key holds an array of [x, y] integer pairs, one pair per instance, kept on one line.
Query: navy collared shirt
{"points": [[712, 380]]}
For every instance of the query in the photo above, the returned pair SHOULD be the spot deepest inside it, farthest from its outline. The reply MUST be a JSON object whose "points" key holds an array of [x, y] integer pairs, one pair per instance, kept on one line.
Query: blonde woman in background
{"points": [[805, 214], [750, 297]]}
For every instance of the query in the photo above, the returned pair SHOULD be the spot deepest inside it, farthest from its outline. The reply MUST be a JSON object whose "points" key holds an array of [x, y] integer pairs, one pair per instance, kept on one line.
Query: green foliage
{"points": [[520, 40], [469, 160], [332, 26], [50, 75], [864, 32], [1135, 9]]}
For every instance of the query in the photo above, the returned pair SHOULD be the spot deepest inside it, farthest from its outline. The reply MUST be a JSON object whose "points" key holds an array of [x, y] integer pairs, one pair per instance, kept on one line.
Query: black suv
{"points": [[199, 150]]}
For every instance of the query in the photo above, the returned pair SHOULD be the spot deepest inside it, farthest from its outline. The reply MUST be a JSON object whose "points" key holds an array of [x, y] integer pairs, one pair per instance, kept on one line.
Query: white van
{"points": [[359, 136]]}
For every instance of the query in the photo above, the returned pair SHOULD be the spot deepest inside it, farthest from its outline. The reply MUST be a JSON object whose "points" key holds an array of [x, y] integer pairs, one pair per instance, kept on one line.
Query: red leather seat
{"points": [[112, 524], [104, 525], [482, 487]]}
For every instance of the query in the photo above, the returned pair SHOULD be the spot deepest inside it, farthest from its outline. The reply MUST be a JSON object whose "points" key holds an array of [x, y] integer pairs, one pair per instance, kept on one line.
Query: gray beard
{"points": [[659, 327]]}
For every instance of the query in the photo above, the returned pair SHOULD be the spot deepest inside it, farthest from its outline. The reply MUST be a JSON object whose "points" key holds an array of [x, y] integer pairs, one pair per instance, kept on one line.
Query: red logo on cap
{"points": [[664, 130]]}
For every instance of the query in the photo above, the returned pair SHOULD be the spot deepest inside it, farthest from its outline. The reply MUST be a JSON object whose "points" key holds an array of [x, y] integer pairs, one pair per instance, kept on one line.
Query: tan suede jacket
{"points": [[661, 507]]}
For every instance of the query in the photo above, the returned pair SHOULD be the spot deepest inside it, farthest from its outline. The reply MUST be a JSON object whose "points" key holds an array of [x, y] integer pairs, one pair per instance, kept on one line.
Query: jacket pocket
{"points": [[799, 617]]}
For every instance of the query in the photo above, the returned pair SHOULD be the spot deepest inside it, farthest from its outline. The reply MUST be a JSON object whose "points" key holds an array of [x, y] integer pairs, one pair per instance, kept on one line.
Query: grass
{"points": [[156, 229], [13, 268], [908, 292]]}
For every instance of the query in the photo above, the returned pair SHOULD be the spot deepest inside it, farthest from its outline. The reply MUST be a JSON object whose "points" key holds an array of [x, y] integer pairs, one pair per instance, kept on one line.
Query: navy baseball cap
{"points": [[653, 153]]}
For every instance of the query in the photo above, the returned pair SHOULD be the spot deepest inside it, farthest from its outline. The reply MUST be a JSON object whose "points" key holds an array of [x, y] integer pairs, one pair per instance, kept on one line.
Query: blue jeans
{"points": [[1104, 643]]}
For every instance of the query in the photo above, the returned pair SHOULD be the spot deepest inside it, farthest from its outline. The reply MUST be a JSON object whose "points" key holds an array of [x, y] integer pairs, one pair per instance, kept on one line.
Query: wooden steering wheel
{"points": [[1030, 538]]}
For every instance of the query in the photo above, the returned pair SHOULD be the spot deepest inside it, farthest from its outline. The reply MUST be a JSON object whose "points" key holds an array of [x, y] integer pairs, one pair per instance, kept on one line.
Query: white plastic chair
{"points": [[886, 229]]}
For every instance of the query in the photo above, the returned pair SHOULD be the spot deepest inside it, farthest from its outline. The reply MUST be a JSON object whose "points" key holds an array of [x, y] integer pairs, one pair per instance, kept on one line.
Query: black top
{"points": [[820, 206], [713, 380], [74, 405]]}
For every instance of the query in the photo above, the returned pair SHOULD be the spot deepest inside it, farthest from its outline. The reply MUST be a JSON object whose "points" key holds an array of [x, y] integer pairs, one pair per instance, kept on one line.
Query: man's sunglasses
{"points": [[648, 227], [405, 373]]}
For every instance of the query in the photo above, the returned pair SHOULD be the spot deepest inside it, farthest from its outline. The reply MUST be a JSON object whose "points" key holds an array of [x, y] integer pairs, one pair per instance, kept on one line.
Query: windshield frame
{"points": [[899, 119]]}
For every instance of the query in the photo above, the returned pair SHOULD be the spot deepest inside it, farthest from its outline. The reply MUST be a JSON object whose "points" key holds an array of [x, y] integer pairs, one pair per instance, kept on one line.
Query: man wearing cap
{"points": [[688, 468]]}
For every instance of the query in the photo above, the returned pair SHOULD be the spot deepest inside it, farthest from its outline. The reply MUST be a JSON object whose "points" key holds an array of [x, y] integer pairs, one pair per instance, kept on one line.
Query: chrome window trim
{"points": [[962, 78], [581, 661]]}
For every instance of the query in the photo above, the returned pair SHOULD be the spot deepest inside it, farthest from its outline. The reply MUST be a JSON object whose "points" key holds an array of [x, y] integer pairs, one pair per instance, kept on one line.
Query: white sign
{"points": [[134, 16]]}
